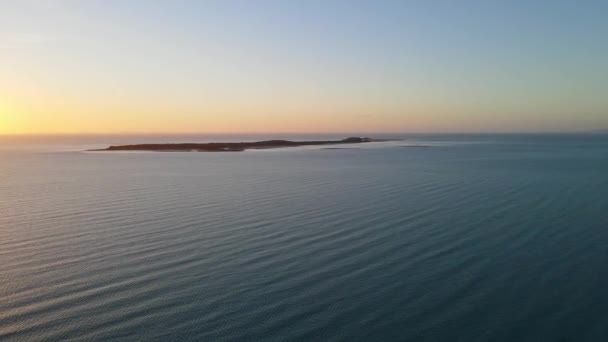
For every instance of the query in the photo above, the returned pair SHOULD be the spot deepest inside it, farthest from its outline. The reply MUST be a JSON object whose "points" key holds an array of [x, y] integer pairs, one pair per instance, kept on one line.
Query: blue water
{"points": [[469, 238]]}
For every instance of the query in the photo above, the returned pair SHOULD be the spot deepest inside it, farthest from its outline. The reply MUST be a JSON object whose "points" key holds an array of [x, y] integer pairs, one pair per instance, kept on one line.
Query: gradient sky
{"points": [[302, 66]]}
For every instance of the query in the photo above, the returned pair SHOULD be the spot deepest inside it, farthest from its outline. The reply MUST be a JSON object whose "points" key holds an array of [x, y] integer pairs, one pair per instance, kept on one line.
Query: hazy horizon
{"points": [[328, 133]]}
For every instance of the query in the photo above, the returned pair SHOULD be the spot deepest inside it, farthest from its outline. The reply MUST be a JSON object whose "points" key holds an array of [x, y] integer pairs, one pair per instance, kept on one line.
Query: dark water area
{"points": [[472, 238]]}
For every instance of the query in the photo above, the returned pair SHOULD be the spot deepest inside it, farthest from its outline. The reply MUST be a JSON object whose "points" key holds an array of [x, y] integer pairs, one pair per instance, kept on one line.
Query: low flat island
{"points": [[232, 146]]}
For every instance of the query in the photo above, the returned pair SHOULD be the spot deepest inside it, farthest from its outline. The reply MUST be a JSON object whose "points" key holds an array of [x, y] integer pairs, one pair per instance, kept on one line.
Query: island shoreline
{"points": [[232, 146]]}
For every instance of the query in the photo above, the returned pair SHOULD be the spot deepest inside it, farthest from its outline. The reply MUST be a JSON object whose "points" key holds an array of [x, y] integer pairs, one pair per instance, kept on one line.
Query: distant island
{"points": [[232, 146]]}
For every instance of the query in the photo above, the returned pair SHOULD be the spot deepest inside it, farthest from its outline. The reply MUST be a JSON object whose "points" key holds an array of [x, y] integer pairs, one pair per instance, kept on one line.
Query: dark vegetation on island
{"points": [[232, 146]]}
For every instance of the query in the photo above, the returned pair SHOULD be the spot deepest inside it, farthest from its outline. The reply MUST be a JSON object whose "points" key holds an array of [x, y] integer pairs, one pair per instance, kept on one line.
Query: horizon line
{"points": [[40, 134]]}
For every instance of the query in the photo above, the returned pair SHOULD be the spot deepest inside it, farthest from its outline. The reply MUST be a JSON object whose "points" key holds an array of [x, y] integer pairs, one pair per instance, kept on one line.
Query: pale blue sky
{"points": [[197, 66]]}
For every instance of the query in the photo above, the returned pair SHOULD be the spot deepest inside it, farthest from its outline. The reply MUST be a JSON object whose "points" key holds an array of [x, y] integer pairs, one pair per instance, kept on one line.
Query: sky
{"points": [[302, 66]]}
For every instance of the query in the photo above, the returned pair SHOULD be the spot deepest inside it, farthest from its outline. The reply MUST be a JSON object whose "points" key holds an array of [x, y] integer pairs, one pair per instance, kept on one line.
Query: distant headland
{"points": [[232, 146]]}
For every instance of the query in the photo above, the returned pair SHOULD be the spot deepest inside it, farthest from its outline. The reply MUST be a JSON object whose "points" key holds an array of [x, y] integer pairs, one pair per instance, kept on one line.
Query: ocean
{"points": [[433, 238]]}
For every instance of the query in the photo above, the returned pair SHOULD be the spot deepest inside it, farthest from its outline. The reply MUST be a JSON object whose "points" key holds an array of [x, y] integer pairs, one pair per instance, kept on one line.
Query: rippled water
{"points": [[475, 238]]}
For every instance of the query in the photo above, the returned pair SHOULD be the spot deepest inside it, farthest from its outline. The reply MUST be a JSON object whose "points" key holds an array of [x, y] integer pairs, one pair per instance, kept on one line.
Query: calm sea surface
{"points": [[460, 238]]}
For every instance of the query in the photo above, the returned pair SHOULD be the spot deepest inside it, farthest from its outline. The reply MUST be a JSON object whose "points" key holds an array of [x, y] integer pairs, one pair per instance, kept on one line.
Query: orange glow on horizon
{"points": [[76, 118], [8, 123]]}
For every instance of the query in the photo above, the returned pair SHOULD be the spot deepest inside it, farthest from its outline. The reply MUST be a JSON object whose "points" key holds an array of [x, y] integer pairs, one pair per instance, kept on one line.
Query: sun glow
{"points": [[4, 119], [8, 122]]}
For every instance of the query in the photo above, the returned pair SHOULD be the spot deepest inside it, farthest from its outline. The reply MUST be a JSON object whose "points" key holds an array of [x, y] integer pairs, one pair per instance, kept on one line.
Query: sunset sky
{"points": [[302, 66]]}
